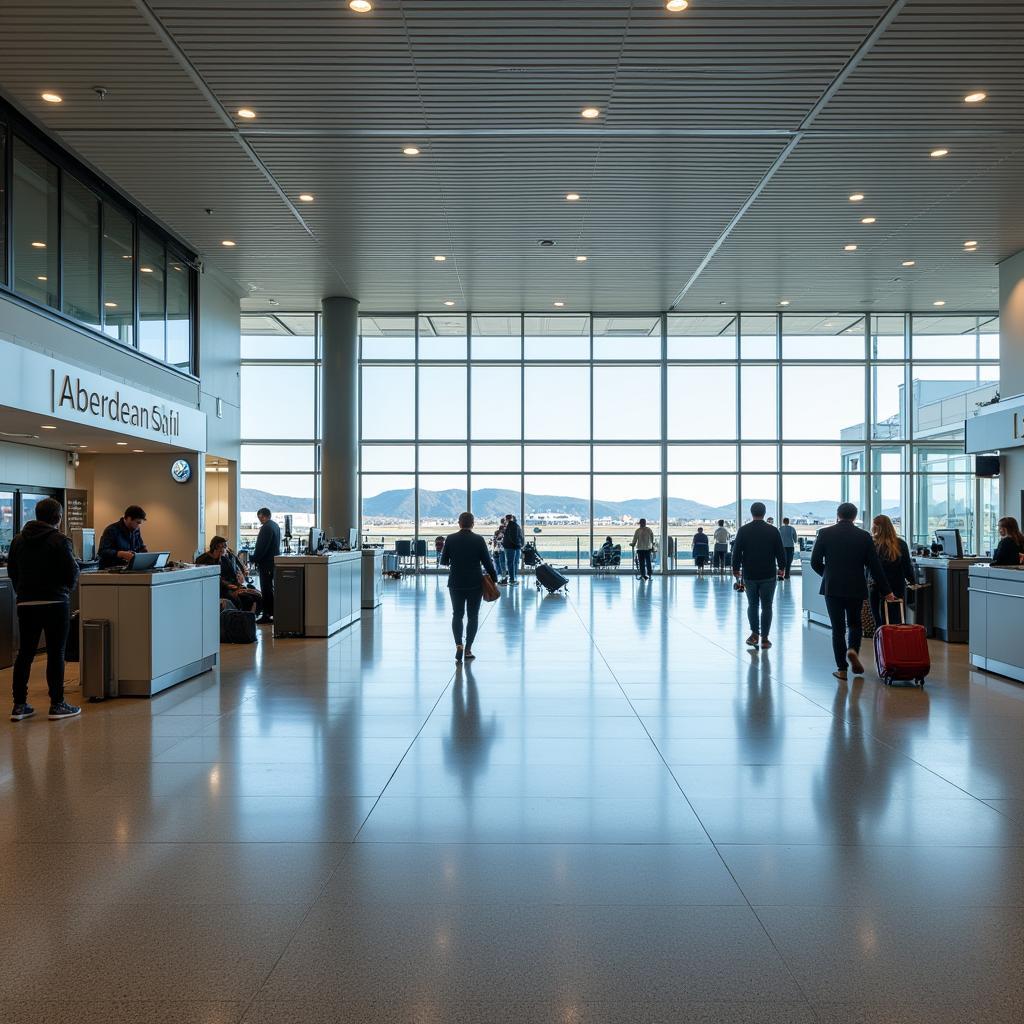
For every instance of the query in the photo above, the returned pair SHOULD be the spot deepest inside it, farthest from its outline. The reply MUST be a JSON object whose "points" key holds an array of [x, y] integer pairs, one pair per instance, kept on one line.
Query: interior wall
{"points": [[1011, 373], [30, 466], [220, 351], [173, 520], [219, 506]]}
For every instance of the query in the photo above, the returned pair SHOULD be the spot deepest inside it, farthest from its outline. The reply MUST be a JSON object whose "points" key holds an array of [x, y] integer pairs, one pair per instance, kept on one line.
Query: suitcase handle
{"points": [[885, 612]]}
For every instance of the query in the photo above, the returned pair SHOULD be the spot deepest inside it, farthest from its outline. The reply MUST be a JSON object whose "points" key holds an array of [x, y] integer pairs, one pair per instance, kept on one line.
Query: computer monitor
{"points": [[316, 540], [147, 561], [951, 543], [353, 538]]}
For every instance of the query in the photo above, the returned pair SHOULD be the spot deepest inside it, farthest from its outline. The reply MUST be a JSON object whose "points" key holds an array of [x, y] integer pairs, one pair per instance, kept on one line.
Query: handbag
{"points": [[490, 589], [867, 620]]}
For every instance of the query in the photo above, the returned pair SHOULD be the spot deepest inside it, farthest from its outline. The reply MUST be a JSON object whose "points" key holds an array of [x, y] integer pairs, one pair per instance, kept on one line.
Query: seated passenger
{"points": [[233, 585]]}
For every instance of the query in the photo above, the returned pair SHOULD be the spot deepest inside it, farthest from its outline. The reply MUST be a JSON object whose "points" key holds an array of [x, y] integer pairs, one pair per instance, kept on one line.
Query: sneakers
{"points": [[469, 654], [63, 710], [22, 711], [855, 663], [458, 654], [840, 673], [753, 640], [765, 643]]}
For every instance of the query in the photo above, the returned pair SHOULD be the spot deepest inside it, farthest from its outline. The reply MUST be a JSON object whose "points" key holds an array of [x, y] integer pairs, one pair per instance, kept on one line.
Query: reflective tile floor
{"points": [[617, 814]]}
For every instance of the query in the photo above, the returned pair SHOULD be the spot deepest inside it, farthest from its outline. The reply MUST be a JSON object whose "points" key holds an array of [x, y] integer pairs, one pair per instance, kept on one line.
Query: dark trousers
{"points": [[900, 590], [847, 631], [789, 559], [465, 604], [34, 620], [512, 563], [644, 558], [719, 558], [760, 601], [267, 590]]}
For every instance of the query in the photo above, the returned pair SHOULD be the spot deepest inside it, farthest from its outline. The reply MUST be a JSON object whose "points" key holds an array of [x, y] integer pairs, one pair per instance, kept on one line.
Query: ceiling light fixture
{"points": [[975, 97], [83, 446], [590, 113], [411, 151], [856, 197], [939, 153], [572, 196], [850, 248], [360, 6], [868, 220], [581, 259], [38, 245], [228, 243], [939, 302], [48, 426], [246, 113], [784, 302], [305, 197], [909, 263], [559, 304], [677, 5], [440, 259], [146, 270], [121, 444], [52, 97], [110, 305], [41, 277], [449, 302], [969, 245], [138, 451]]}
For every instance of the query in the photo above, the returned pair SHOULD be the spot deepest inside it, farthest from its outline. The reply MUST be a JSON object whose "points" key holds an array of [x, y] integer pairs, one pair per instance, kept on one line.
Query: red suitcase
{"points": [[901, 651]]}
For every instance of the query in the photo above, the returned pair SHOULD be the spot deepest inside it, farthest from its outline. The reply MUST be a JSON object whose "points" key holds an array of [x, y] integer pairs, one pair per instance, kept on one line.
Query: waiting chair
{"points": [[403, 552]]}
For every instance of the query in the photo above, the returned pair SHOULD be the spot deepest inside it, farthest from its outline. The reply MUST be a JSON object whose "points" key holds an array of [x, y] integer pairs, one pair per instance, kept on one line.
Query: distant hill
{"points": [[250, 499]]}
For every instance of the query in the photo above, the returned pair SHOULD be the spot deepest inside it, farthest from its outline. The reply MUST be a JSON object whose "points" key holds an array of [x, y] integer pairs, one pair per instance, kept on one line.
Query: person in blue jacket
{"points": [[122, 539]]}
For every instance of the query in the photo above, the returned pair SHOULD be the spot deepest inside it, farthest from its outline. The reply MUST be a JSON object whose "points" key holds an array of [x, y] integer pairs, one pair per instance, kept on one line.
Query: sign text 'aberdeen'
{"points": [[73, 394]]}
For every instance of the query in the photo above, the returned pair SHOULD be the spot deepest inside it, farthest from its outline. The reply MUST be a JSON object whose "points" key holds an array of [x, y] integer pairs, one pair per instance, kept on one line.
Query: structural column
{"points": [[339, 458], [1011, 375]]}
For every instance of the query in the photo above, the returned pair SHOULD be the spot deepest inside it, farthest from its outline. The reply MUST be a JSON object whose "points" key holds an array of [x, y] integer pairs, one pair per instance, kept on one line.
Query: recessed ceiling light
{"points": [[247, 113], [559, 304], [38, 245], [581, 259], [449, 302], [48, 426], [138, 451], [677, 5], [909, 263], [146, 270], [440, 259], [975, 97], [938, 153], [360, 6], [968, 245], [856, 197], [939, 302], [546, 243], [110, 305], [305, 197], [849, 248], [411, 151], [228, 243], [122, 444], [590, 113], [83, 446], [572, 196], [784, 302], [868, 220], [52, 97], [41, 277]]}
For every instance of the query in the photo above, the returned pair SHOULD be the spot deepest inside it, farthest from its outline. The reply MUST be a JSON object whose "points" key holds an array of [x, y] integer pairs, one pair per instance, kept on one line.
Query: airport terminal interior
{"points": [[287, 289]]}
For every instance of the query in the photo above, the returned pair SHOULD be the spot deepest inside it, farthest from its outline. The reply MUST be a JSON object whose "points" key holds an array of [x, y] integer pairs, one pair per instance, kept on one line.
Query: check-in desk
{"points": [[997, 611], [316, 595], [8, 642], [164, 625], [810, 583], [948, 581], [373, 576]]}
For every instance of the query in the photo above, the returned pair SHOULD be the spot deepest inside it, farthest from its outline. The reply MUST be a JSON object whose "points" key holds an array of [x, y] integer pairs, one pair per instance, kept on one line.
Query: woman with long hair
{"points": [[894, 555], [1011, 544]]}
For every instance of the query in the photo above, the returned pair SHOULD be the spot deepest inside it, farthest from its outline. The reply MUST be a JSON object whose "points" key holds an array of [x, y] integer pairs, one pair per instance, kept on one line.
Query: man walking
{"points": [[643, 544], [43, 569], [512, 541], [465, 553], [759, 561], [268, 547], [788, 534], [841, 555]]}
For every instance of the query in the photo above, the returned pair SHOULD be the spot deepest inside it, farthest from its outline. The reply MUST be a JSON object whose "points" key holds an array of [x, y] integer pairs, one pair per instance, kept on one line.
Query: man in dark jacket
{"points": [[758, 559], [268, 547], [465, 553], [512, 542], [43, 569], [122, 539], [840, 556]]}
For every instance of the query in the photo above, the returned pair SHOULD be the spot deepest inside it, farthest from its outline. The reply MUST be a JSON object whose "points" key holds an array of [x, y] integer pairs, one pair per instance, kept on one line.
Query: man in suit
{"points": [[465, 553], [759, 560], [840, 557], [268, 547]]}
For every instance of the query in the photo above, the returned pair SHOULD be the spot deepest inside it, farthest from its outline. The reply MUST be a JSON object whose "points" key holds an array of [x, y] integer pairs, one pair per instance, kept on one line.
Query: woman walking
{"points": [[894, 555], [465, 553]]}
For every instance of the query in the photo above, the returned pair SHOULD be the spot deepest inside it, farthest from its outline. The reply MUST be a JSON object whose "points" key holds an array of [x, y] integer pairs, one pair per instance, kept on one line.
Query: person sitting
{"points": [[233, 585], [1011, 543]]}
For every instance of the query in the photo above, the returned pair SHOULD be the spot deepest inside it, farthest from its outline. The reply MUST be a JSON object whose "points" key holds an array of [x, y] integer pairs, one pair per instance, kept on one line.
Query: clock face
{"points": [[181, 472]]}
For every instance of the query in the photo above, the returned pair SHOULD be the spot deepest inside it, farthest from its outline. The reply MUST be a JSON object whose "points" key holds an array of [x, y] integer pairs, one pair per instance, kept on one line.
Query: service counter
{"points": [[997, 611], [164, 626], [8, 621], [810, 583], [316, 595], [947, 579], [373, 577]]}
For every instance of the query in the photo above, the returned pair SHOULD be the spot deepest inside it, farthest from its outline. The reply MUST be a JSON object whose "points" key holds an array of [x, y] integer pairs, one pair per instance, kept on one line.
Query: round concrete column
{"points": [[339, 458]]}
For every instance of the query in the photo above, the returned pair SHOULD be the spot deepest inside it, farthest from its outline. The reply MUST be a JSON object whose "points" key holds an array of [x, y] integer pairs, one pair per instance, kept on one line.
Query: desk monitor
{"points": [[951, 543], [147, 561], [316, 540]]}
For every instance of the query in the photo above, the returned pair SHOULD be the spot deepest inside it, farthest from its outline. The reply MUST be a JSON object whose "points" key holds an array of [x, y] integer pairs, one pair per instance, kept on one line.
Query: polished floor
{"points": [[617, 814]]}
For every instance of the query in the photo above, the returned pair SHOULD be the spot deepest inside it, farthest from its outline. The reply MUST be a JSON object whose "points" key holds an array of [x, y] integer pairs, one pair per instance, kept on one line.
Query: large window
{"points": [[581, 425]]}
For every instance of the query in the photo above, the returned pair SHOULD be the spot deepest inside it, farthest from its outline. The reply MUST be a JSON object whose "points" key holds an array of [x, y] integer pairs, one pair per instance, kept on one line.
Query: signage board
{"points": [[996, 427]]}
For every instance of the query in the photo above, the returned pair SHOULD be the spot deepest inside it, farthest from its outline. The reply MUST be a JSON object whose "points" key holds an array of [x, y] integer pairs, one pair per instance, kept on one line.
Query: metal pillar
{"points": [[339, 482]]}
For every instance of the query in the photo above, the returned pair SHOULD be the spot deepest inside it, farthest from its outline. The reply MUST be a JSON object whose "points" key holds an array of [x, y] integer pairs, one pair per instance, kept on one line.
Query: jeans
{"points": [[844, 614], [789, 559], [644, 558], [465, 603], [499, 561], [760, 596], [33, 620], [512, 563], [267, 590]]}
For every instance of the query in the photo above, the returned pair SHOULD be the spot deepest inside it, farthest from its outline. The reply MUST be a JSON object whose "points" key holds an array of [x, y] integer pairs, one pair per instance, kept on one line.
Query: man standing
{"points": [[643, 544], [42, 567], [721, 549], [122, 539], [512, 542], [758, 559], [788, 534], [268, 547], [840, 556]]}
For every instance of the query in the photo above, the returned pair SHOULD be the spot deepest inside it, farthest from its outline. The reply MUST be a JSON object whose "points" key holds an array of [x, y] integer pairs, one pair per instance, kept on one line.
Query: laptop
{"points": [[147, 561]]}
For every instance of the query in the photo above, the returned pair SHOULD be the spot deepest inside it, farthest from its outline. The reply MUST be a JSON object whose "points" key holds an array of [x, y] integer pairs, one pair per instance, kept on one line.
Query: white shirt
{"points": [[721, 535], [643, 539]]}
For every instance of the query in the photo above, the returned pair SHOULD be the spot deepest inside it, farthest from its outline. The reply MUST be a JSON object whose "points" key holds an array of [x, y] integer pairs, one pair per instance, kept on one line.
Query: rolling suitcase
{"points": [[550, 578], [901, 651]]}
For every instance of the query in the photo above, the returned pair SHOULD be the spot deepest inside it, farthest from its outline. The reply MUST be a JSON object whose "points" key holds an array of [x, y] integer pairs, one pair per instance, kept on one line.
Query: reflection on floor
{"points": [[616, 814]]}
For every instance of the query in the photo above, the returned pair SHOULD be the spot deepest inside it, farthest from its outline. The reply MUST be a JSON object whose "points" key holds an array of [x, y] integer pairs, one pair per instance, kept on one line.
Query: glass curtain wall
{"points": [[583, 424]]}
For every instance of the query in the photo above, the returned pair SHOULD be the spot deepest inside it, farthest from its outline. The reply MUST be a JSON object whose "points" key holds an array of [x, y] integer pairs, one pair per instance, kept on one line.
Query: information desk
{"points": [[810, 583], [164, 626], [948, 580], [373, 576], [316, 595], [997, 612]]}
